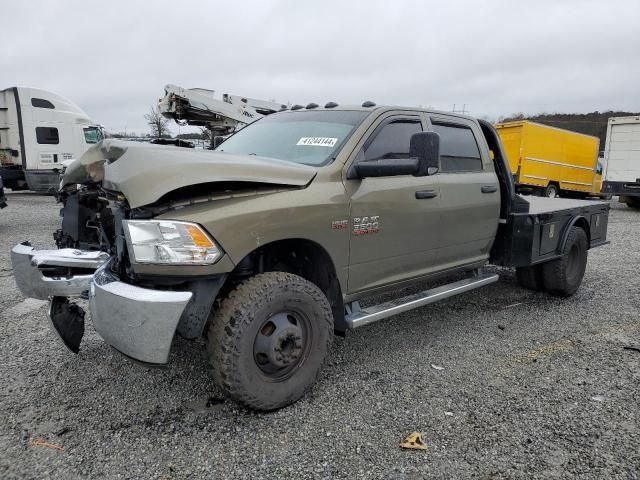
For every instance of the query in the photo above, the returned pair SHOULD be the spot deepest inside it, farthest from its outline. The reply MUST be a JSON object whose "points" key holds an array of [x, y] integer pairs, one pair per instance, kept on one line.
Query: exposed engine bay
{"points": [[92, 220]]}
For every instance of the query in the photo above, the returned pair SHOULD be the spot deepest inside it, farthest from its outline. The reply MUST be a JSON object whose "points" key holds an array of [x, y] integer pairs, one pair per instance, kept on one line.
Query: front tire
{"points": [[562, 277], [268, 340]]}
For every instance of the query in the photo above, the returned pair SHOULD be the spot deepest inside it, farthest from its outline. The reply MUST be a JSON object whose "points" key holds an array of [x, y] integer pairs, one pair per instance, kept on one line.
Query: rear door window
{"points": [[459, 151]]}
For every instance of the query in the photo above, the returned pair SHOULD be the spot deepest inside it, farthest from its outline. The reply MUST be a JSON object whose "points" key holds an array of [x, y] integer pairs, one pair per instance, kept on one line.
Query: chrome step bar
{"points": [[357, 317]]}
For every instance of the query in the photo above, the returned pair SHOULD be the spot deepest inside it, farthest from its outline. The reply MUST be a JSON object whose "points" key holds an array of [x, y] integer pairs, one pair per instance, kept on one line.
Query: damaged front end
{"points": [[138, 322], [147, 277]]}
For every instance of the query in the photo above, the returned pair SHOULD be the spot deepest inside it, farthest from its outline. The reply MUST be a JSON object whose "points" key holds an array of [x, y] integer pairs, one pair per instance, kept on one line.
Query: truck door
{"points": [[394, 220], [469, 193]]}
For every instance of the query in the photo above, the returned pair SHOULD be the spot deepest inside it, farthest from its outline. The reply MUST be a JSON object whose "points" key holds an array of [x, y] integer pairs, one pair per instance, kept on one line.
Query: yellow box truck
{"points": [[551, 161]]}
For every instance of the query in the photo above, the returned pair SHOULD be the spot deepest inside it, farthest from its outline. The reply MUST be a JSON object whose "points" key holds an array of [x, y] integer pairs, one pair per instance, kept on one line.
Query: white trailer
{"points": [[622, 160], [38, 131]]}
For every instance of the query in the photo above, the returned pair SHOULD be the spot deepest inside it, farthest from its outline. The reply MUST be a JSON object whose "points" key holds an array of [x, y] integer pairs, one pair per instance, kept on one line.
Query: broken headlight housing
{"points": [[168, 242]]}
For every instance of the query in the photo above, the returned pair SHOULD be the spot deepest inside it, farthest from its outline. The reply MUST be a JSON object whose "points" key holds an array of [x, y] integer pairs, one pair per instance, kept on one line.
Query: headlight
{"points": [[170, 242]]}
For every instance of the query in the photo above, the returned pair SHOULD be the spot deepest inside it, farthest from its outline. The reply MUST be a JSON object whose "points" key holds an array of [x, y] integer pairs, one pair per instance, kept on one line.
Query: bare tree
{"points": [[159, 124]]}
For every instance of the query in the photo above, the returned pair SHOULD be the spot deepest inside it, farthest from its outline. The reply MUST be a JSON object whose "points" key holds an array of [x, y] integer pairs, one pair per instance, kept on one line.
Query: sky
{"points": [[496, 57]]}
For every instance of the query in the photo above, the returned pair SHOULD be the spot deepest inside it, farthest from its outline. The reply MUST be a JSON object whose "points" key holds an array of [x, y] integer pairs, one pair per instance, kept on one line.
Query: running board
{"points": [[356, 317]]}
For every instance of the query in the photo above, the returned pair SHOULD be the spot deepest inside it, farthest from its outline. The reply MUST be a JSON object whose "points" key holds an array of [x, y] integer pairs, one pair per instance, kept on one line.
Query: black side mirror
{"points": [[425, 146], [386, 167], [217, 140]]}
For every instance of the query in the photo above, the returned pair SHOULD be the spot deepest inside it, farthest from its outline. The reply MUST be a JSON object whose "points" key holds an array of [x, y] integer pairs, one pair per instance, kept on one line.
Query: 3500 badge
{"points": [[366, 225]]}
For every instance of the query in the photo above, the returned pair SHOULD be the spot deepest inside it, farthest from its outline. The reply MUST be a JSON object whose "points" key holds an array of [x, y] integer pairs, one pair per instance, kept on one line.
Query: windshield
{"points": [[312, 138], [92, 134]]}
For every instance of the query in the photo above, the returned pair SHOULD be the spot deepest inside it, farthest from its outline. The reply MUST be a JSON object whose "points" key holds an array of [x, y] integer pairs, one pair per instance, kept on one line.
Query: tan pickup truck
{"points": [[267, 245]]}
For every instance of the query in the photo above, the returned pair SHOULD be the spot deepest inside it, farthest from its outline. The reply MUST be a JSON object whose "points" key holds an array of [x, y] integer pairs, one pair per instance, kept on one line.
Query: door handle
{"points": [[426, 194], [489, 189]]}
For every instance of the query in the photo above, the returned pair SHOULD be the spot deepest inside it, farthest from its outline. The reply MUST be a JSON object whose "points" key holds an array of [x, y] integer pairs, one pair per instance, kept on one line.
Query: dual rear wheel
{"points": [[561, 277]]}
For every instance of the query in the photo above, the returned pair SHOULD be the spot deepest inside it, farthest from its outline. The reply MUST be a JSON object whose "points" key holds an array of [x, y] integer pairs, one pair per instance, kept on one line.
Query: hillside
{"points": [[594, 123]]}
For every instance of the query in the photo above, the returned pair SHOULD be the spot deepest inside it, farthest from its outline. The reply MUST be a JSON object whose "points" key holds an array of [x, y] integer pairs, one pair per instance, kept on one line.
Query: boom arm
{"points": [[198, 107]]}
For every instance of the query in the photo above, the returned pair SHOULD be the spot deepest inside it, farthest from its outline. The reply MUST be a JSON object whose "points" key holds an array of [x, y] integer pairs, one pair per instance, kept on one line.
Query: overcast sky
{"points": [[114, 57]]}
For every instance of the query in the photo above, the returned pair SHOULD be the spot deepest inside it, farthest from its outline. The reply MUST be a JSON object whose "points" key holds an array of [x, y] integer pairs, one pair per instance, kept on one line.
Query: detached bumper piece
{"points": [[54, 273], [138, 322]]}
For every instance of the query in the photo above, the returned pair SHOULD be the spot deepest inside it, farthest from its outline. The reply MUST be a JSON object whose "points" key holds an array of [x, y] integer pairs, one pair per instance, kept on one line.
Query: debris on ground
{"points": [[634, 349], [598, 398], [437, 367], [413, 441], [41, 442]]}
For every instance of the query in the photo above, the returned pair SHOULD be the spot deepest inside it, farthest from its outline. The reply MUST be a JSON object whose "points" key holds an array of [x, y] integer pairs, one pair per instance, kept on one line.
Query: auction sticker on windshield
{"points": [[317, 141]]}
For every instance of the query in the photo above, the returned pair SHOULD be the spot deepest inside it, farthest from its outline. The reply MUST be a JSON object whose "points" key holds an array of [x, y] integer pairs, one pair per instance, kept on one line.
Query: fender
{"points": [[584, 223]]}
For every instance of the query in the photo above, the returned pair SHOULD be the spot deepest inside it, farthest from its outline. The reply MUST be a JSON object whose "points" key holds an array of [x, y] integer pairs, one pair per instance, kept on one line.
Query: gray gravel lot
{"points": [[532, 387]]}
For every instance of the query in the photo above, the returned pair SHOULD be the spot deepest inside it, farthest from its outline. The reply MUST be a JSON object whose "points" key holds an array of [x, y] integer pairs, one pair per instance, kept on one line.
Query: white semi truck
{"points": [[39, 130], [622, 160]]}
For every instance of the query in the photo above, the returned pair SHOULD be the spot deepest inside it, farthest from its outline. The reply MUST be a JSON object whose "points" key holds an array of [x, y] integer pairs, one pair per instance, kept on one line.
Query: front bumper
{"points": [[139, 322], [31, 270]]}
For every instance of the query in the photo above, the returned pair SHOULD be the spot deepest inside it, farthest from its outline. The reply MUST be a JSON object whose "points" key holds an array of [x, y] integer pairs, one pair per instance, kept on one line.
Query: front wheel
{"points": [[268, 340]]}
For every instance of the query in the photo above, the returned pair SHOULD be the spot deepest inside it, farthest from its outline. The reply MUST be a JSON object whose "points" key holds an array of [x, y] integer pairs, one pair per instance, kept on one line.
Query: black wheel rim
{"points": [[282, 344]]}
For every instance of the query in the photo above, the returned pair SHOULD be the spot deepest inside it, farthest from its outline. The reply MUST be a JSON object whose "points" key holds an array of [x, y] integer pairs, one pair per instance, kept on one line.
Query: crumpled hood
{"points": [[144, 172]]}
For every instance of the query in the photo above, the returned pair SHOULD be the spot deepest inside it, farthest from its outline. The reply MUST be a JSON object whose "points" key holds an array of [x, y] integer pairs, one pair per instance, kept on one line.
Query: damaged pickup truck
{"points": [[267, 245]]}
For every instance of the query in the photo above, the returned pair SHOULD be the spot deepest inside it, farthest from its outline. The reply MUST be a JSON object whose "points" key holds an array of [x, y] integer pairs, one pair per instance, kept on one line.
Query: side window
{"points": [[392, 140], [458, 149], [47, 135], [92, 135], [41, 103]]}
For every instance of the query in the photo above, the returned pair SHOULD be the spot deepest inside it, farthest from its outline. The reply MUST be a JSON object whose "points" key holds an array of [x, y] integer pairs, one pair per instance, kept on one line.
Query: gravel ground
{"points": [[531, 387]]}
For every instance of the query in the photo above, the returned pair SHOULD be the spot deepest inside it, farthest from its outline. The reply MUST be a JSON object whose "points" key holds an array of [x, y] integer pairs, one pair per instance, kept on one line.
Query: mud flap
{"points": [[67, 320]]}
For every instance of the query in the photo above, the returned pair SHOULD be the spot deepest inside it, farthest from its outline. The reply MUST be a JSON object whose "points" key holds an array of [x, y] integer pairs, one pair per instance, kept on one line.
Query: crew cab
{"points": [[268, 244]]}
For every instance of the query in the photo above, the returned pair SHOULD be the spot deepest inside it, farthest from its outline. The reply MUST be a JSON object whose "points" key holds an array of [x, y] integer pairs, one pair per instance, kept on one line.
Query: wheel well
{"points": [[301, 257], [580, 222]]}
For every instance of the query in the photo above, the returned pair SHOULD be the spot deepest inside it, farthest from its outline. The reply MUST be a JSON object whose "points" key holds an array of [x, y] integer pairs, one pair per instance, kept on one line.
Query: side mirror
{"points": [[387, 167], [217, 140], [425, 146]]}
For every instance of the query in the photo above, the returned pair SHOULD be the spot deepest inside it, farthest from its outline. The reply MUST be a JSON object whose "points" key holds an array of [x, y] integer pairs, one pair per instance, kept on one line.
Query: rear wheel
{"points": [[563, 276], [551, 191], [633, 202], [269, 339], [530, 277]]}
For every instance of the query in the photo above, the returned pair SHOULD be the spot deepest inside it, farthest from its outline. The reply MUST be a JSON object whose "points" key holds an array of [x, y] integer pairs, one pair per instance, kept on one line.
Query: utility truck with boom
{"points": [[198, 107], [267, 245]]}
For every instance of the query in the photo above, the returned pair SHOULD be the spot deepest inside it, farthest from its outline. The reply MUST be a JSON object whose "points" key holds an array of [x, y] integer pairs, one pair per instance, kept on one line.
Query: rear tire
{"points": [[268, 340], [562, 277], [551, 191], [530, 277], [633, 203]]}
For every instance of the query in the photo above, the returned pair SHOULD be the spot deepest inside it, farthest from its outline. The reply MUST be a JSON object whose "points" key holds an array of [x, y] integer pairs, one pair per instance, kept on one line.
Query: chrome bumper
{"points": [[30, 271], [138, 322]]}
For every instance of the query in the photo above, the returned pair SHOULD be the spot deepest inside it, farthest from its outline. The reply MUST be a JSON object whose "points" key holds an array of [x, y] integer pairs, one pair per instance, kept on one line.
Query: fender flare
{"points": [[584, 223]]}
